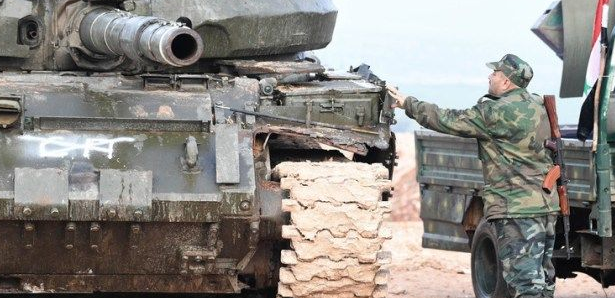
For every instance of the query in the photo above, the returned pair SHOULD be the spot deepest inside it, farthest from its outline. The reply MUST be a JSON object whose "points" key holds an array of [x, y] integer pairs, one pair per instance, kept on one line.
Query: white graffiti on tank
{"points": [[60, 147]]}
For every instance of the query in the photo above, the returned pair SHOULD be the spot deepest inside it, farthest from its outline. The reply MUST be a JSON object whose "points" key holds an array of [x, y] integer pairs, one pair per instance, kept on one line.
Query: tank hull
{"points": [[97, 194], [112, 183]]}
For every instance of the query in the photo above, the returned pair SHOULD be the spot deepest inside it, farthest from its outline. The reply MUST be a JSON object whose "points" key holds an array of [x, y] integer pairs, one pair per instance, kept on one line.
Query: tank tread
{"points": [[336, 230]]}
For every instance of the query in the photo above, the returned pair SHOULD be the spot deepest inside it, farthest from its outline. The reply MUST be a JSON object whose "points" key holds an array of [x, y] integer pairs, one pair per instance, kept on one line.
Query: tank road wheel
{"points": [[487, 279], [335, 231]]}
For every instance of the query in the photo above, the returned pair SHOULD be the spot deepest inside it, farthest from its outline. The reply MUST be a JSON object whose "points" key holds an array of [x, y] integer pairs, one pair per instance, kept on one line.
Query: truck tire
{"points": [[336, 230], [487, 278]]}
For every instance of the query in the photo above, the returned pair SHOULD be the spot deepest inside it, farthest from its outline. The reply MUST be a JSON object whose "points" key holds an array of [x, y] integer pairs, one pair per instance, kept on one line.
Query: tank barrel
{"points": [[119, 33]]}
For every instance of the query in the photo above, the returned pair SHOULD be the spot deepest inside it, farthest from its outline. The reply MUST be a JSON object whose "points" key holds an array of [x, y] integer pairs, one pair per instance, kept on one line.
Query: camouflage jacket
{"points": [[510, 131]]}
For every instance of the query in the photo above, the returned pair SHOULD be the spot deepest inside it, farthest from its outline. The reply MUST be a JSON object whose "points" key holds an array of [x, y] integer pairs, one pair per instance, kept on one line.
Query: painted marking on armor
{"points": [[60, 147]]}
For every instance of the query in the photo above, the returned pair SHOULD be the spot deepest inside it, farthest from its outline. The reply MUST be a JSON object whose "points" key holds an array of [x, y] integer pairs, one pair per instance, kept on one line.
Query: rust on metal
{"points": [[313, 137]]}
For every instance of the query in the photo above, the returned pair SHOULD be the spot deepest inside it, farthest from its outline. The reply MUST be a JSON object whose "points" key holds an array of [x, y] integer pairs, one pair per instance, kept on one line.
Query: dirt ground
{"points": [[427, 273]]}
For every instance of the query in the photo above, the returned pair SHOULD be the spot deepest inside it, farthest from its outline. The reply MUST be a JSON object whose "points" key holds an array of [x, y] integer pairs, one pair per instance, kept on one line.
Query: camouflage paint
{"points": [[525, 248], [510, 131]]}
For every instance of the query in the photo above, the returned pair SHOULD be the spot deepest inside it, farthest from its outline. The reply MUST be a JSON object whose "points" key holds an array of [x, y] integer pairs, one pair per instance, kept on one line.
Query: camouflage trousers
{"points": [[525, 248]]}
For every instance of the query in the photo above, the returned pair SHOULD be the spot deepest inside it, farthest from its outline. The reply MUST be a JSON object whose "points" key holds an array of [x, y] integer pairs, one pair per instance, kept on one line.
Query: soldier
{"points": [[511, 126]]}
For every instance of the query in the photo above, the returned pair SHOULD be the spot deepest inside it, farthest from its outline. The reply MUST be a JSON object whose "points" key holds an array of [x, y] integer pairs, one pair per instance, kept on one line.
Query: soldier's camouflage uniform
{"points": [[510, 130]]}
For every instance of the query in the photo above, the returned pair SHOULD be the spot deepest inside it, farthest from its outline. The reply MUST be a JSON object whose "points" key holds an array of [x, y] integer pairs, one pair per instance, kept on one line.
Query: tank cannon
{"points": [[116, 33], [157, 36]]}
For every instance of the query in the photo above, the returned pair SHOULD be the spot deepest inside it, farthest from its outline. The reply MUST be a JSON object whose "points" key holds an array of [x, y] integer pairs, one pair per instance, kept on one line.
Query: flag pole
{"points": [[602, 155], [597, 97], [602, 12]]}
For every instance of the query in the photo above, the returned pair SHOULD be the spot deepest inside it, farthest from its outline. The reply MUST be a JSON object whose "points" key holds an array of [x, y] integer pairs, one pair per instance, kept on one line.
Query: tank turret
{"points": [[138, 36]]}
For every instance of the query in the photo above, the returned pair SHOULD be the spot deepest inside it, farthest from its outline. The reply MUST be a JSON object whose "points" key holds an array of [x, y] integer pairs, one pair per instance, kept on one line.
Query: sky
{"points": [[437, 50]]}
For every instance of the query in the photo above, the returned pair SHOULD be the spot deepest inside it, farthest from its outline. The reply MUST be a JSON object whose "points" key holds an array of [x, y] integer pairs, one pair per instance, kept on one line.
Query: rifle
{"points": [[558, 172]]}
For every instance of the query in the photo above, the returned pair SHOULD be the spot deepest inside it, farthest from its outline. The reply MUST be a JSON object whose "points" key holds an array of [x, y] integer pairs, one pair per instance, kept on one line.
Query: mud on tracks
{"points": [[336, 230]]}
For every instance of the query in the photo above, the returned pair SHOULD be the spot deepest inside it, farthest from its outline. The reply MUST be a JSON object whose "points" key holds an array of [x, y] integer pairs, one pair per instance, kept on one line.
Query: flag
{"points": [[599, 38]]}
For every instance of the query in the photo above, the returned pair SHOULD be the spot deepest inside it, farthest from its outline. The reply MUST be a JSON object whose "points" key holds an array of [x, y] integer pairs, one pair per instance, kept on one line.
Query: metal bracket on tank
{"points": [[11, 111], [197, 260], [69, 235], [203, 259], [125, 195], [29, 235], [190, 160], [41, 194], [95, 236], [227, 153], [135, 236], [332, 106], [212, 236], [252, 244]]}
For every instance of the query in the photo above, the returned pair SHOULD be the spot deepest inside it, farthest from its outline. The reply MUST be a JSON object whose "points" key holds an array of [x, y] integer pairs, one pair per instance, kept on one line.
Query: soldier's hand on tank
{"points": [[397, 96]]}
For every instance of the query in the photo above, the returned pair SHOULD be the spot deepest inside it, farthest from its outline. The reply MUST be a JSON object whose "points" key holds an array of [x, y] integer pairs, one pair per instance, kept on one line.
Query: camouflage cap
{"points": [[515, 69]]}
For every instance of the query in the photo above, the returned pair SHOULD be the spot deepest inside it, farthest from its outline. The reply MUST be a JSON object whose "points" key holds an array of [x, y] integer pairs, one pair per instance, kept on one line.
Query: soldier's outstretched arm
{"points": [[468, 123]]}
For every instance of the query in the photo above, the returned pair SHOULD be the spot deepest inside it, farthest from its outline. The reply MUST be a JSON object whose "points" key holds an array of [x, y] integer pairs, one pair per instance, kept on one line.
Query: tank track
{"points": [[336, 230]]}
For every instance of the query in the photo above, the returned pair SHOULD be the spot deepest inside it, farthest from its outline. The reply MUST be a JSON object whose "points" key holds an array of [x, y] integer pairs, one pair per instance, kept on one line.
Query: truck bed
{"points": [[450, 175]]}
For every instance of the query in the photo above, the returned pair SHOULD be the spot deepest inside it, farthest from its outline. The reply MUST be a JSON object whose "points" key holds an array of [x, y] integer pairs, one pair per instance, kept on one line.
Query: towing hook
{"points": [[192, 152]]}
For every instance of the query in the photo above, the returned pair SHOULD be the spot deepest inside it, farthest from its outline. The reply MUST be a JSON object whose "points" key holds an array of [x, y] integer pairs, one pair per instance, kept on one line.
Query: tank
{"points": [[189, 146]]}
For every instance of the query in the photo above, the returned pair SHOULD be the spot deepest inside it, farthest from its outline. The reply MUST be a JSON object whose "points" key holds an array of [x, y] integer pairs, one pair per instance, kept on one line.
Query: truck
{"points": [[188, 147], [451, 178]]}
